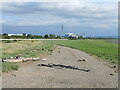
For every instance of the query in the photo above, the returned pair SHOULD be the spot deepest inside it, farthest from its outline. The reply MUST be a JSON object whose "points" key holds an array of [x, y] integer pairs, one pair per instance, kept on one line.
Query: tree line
{"points": [[30, 36]]}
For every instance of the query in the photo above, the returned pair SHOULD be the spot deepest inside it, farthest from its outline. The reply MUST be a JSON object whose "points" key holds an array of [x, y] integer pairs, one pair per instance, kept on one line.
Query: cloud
{"points": [[78, 5], [39, 20], [72, 14], [1, 22], [74, 6], [60, 0]]}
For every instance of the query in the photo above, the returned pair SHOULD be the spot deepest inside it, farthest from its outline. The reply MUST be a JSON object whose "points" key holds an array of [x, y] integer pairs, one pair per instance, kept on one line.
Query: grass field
{"points": [[25, 48], [101, 48], [105, 49]]}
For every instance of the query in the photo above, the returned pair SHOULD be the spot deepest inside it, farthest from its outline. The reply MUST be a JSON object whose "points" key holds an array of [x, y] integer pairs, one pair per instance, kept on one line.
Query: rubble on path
{"points": [[82, 60], [21, 59]]}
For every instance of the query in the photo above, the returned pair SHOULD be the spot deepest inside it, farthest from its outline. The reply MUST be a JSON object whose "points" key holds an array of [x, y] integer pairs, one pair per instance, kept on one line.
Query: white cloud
{"points": [[59, 0], [1, 21], [82, 14], [45, 20], [42, 20], [78, 5]]}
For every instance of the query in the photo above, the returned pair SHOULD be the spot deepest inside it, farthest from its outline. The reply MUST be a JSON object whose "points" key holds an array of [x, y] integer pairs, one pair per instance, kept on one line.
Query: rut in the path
{"points": [[63, 66]]}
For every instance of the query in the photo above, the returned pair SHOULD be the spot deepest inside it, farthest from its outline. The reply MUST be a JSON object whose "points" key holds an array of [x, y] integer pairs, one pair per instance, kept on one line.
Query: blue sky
{"points": [[78, 16]]}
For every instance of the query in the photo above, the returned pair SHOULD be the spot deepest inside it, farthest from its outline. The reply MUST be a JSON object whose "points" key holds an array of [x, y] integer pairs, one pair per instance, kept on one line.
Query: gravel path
{"points": [[30, 75]]}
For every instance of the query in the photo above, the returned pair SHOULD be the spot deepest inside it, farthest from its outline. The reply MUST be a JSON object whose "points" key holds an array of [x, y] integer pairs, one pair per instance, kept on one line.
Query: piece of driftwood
{"points": [[21, 59], [12, 60], [63, 66]]}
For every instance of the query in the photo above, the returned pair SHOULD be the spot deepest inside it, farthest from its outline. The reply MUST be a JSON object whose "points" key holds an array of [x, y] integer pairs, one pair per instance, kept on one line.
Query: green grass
{"points": [[100, 48], [25, 48], [6, 67]]}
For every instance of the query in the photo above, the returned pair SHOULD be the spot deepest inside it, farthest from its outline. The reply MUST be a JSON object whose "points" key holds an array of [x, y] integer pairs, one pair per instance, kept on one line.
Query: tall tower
{"points": [[62, 31]]}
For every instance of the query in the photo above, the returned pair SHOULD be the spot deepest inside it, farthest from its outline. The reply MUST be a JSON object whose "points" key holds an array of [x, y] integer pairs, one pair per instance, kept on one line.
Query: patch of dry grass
{"points": [[15, 48], [25, 48]]}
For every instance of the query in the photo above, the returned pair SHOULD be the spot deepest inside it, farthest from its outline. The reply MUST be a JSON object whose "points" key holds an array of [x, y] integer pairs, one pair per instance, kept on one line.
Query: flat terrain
{"points": [[102, 48], [106, 49], [30, 75]]}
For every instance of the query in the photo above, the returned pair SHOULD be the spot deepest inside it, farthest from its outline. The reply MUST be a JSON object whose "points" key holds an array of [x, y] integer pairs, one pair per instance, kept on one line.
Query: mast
{"points": [[62, 31]]}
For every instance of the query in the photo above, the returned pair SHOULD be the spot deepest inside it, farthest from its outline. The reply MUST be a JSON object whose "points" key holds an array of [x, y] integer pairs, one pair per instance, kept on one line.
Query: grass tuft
{"points": [[6, 67]]}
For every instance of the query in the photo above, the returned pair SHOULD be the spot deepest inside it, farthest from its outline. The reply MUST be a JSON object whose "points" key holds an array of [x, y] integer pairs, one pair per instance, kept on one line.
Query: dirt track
{"points": [[30, 75]]}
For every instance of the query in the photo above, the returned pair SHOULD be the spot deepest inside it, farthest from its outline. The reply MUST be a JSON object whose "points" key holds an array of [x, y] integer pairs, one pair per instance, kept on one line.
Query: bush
{"points": [[15, 67], [14, 40]]}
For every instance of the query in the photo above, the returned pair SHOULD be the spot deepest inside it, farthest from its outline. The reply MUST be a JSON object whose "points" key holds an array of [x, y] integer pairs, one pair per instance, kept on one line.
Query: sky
{"points": [[93, 17]]}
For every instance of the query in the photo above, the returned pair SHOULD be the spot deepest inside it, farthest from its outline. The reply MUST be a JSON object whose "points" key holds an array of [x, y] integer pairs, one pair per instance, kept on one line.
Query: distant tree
{"points": [[80, 37], [0, 36], [24, 34], [29, 36], [6, 37], [37, 37], [72, 38], [40, 36], [5, 34], [46, 36], [59, 37], [52, 36]]}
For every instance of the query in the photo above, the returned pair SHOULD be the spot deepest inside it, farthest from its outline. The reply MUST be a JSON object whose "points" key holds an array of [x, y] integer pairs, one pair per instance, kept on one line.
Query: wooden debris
{"points": [[63, 66], [21, 59]]}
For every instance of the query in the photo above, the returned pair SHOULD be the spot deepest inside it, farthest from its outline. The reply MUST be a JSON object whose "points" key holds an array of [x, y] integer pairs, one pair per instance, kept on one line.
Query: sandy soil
{"points": [[30, 75]]}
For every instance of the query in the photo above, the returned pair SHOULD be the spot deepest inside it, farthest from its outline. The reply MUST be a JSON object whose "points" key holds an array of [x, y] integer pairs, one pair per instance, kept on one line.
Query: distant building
{"points": [[67, 35], [16, 34], [11, 34], [84, 36]]}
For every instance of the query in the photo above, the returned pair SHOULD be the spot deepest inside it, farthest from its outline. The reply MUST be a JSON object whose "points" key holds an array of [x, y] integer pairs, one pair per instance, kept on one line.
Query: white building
{"points": [[16, 34], [11, 34], [67, 35]]}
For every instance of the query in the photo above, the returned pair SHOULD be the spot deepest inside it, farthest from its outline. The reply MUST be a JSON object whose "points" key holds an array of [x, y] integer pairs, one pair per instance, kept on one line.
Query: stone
{"points": [[82, 60], [111, 74], [44, 59], [11, 57], [14, 75]]}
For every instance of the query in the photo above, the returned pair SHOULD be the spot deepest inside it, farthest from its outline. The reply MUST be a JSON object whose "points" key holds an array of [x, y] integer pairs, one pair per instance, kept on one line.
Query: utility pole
{"points": [[62, 31]]}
